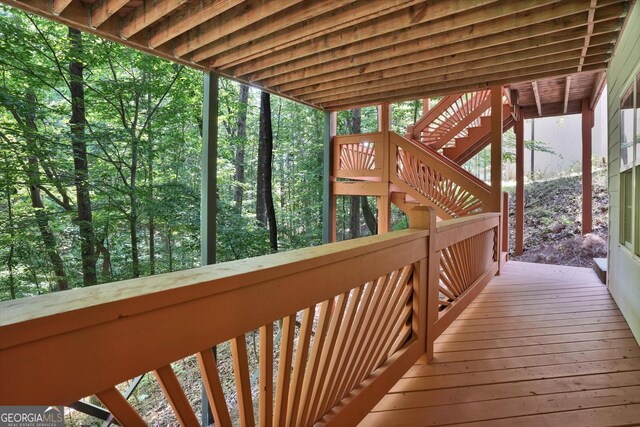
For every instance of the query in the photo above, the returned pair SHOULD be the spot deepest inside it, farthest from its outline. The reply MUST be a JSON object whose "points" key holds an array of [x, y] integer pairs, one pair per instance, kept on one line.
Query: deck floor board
{"points": [[529, 351]]}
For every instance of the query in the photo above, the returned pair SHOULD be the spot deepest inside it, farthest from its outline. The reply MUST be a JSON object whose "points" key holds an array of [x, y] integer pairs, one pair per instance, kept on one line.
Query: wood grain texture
{"points": [[505, 361]]}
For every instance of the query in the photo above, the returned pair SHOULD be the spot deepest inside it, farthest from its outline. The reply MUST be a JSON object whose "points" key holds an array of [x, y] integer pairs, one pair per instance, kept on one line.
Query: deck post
{"points": [[505, 221], [519, 130], [496, 160], [384, 202], [425, 106], [328, 198], [587, 207], [433, 286], [209, 173]]}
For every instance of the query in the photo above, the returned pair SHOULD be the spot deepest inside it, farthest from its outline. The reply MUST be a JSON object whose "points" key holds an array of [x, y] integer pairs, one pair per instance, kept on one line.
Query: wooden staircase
{"points": [[425, 166]]}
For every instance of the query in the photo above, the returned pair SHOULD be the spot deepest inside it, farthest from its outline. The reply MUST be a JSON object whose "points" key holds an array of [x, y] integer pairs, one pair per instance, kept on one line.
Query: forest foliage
{"points": [[100, 163]]}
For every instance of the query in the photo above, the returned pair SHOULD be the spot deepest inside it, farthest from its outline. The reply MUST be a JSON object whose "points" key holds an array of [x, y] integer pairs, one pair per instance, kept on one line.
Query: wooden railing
{"points": [[367, 310], [358, 156], [435, 179], [468, 251]]}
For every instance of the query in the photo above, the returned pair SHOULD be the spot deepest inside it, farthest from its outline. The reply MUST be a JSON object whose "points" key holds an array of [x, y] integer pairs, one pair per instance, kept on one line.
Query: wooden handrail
{"points": [[434, 112], [119, 330], [445, 167], [374, 306]]}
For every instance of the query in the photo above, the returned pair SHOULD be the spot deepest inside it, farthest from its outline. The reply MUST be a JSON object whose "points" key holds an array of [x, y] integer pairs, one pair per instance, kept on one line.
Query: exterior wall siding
{"points": [[624, 268]]}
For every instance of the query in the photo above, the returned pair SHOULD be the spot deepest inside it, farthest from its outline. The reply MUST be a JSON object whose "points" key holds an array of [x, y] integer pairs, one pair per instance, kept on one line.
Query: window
{"points": [[630, 166]]}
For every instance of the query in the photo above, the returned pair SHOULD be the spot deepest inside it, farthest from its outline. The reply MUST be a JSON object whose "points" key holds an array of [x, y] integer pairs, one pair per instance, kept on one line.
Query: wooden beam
{"points": [[590, 19], [567, 89], [455, 87], [462, 63], [425, 106], [147, 14], [438, 82], [456, 53], [495, 201], [384, 202], [311, 21], [420, 37], [360, 188], [191, 19], [452, 73], [217, 29], [598, 86], [587, 190], [60, 5], [384, 25], [536, 94], [519, 226], [104, 10]]}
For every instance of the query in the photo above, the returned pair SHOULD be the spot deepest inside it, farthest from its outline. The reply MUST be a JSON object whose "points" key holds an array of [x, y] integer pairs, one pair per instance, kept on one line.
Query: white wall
{"points": [[563, 134]]}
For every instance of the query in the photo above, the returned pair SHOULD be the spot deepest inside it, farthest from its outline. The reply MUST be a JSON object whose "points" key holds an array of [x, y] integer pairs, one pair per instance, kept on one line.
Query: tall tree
{"points": [[241, 140], [80, 161], [30, 129], [266, 148]]}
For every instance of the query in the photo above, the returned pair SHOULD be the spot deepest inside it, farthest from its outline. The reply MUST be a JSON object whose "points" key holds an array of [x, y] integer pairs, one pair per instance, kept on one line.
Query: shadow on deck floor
{"points": [[542, 345]]}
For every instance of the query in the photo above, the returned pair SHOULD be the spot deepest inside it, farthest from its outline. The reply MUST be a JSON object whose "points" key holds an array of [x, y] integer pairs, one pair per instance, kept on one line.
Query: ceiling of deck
{"points": [[344, 53]]}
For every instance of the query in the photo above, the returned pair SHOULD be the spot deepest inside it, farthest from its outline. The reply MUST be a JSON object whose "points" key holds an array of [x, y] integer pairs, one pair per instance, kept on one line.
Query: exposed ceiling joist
{"points": [[334, 54], [104, 10], [60, 5], [404, 25], [536, 93], [218, 30], [601, 79], [147, 14], [424, 41], [590, 19], [193, 17], [447, 75], [567, 90], [369, 44]]}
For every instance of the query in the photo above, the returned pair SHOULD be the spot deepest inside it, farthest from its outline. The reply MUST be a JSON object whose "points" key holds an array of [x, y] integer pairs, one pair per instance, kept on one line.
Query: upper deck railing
{"points": [[366, 309]]}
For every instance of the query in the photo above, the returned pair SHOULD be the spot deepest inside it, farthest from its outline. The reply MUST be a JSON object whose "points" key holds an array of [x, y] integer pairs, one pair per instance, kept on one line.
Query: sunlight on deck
{"points": [[541, 345]]}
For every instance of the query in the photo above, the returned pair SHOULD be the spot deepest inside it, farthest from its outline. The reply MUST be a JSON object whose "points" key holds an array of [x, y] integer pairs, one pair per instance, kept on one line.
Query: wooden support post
{"points": [[328, 177], [433, 285], [587, 206], [208, 200], [209, 170], [422, 218], [495, 204], [425, 106], [496, 148], [505, 221], [519, 130], [384, 202]]}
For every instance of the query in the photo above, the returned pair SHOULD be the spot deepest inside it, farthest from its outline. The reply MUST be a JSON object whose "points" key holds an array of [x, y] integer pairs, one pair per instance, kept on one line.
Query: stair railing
{"points": [[450, 118], [433, 179]]}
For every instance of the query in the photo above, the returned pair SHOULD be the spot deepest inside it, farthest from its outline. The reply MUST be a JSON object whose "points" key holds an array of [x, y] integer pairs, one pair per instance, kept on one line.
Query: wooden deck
{"points": [[541, 345]]}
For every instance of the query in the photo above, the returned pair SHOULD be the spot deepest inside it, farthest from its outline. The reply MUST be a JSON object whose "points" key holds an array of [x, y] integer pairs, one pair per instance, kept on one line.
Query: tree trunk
{"points": [[266, 143], [369, 217], [151, 204], [354, 213], [80, 161], [238, 192], [12, 287], [133, 214], [33, 178], [261, 202]]}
